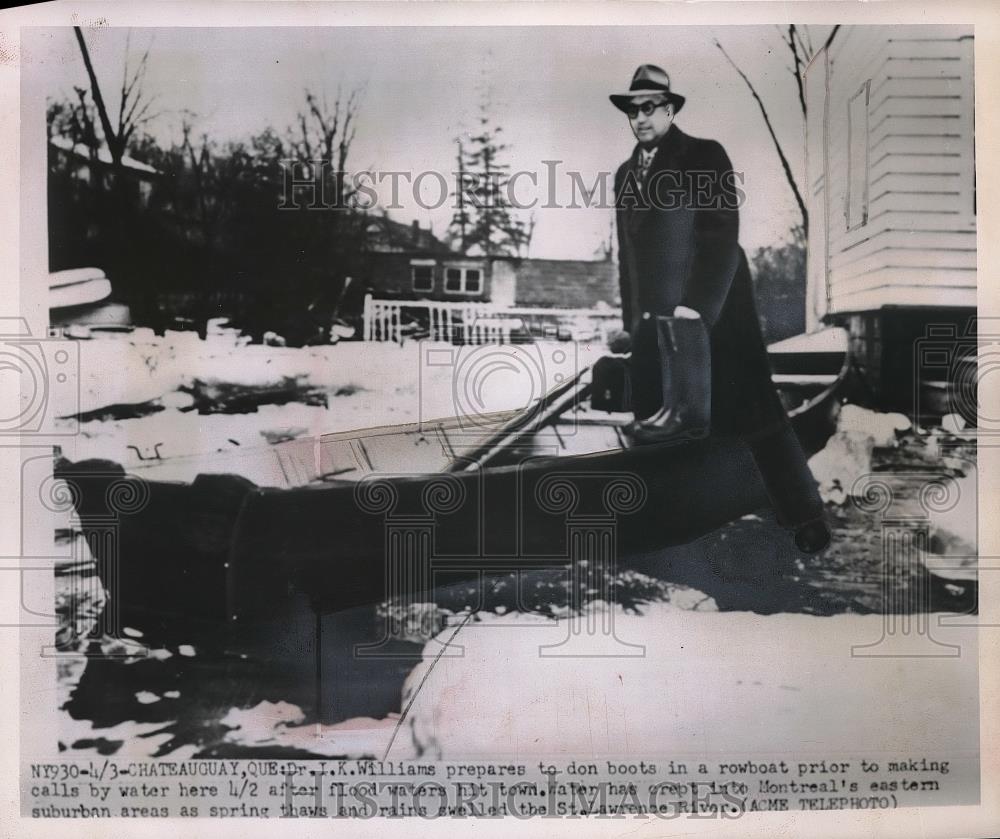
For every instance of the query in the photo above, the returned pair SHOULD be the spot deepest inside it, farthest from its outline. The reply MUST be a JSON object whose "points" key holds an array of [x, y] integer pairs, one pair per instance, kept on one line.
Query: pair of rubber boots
{"points": [[686, 375]]}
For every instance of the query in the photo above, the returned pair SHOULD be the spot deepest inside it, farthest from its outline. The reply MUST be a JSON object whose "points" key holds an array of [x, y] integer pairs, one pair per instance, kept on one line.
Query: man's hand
{"points": [[620, 342], [685, 312]]}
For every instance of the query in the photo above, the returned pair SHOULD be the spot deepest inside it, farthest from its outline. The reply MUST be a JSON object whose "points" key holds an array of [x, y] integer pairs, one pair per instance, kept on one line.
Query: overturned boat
{"points": [[355, 518]]}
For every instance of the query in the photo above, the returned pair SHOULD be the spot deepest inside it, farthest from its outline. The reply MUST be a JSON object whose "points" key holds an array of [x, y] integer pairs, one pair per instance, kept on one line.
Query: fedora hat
{"points": [[648, 80]]}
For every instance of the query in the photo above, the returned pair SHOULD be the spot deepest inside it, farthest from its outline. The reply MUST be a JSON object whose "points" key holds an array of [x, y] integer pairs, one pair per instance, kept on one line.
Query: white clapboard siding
{"points": [[901, 124], [853, 272], [916, 295], [914, 106], [912, 237], [910, 223], [917, 84], [923, 220], [898, 251], [913, 202], [935, 162], [945, 145]]}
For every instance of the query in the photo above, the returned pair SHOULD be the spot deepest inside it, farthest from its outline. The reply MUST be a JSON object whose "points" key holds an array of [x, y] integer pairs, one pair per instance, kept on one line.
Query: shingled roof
{"points": [[566, 283], [387, 235]]}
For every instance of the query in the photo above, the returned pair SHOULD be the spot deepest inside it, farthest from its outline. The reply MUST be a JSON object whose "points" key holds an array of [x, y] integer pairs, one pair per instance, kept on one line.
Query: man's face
{"points": [[650, 128]]}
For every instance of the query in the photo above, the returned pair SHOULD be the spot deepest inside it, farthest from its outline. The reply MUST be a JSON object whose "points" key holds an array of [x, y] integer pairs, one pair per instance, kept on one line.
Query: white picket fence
{"points": [[483, 323]]}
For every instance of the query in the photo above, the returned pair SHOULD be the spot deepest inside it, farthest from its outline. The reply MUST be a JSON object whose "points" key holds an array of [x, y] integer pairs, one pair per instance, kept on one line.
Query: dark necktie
{"points": [[643, 163]]}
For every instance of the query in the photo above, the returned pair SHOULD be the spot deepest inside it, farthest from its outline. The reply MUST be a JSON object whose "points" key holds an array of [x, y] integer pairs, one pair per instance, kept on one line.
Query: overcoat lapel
{"points": [[668, 156]]}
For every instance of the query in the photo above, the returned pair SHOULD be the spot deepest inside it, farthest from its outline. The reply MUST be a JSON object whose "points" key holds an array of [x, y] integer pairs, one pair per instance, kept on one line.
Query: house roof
{"points": [[571, 283], [83, 151], [390, 235]]}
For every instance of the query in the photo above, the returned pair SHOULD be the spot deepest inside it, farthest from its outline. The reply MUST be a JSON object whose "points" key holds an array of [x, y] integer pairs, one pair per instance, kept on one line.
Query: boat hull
{"points": [[222, 549]]}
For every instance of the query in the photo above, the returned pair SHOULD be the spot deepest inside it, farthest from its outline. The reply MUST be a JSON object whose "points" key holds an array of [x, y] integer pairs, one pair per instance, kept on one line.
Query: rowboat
{"points": [[354, 518]]}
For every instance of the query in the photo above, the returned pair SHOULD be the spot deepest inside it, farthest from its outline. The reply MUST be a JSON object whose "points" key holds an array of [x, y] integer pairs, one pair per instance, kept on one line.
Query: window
{"points": [[856, 208], [463, 280], [422, 274]]}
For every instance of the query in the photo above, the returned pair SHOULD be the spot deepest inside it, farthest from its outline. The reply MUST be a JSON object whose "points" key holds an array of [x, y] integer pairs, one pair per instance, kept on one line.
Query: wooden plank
{"points": [[956, 232], [901, 251], [929, 31], [866, 300], [924, 48], [927, 66], [906, 219], [926, 275], [953, 144], [918, 84], [929, 239], [891, 241], [909, 180], [944, 203], [950, 105], [915, 60], [917, 124], [910, 106], [942, 163], [849, 265]]}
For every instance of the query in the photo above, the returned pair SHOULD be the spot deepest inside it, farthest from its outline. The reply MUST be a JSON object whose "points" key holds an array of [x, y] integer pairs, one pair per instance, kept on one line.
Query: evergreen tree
{"points": [[484, 219]]}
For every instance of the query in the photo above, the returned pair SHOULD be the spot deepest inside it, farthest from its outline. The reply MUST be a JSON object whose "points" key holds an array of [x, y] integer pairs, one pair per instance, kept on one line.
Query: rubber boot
{"points": [[791, 487], [686, 371]]}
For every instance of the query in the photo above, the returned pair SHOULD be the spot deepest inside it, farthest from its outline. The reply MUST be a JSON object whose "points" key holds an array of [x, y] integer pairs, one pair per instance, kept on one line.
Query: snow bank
{"points": [[882, 428], [845, 458], [848, 453], [279, 725], [712, 683]]}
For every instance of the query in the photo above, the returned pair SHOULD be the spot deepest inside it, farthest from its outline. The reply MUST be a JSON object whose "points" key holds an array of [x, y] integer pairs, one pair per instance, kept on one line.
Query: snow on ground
{"points": [[378, 384], [708, 683], [712, 682]]}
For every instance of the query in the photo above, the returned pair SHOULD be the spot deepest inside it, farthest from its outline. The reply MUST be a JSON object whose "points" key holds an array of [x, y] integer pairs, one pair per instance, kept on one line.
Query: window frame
{"points": [[422, 263], [849, 198], [463, 286]]}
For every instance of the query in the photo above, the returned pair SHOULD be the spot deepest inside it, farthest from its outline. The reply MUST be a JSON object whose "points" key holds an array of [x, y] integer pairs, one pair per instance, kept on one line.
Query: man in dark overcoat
{"points": [[677, 209]]}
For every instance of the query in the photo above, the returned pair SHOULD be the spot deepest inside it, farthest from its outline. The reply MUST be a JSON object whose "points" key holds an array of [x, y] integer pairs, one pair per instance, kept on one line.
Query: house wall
{"points": [[391, 276], [545, 283], [890, 171]]}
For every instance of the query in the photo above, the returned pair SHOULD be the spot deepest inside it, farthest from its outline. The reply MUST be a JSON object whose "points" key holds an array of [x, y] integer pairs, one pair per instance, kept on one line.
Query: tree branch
{"points": [[799, 67], [95, 88], [774, 138]]}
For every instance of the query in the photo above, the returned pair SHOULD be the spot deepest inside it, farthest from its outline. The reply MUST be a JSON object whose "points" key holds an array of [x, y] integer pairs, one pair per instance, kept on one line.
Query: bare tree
{"points": [[799, 44], [133, 107], [785, 165], [798, 41], [204, 166], [324, 134], [75, 121]]}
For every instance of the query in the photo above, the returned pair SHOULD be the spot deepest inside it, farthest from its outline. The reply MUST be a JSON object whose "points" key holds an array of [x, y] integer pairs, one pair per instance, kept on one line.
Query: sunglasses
{"points": [[646, 109]]}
